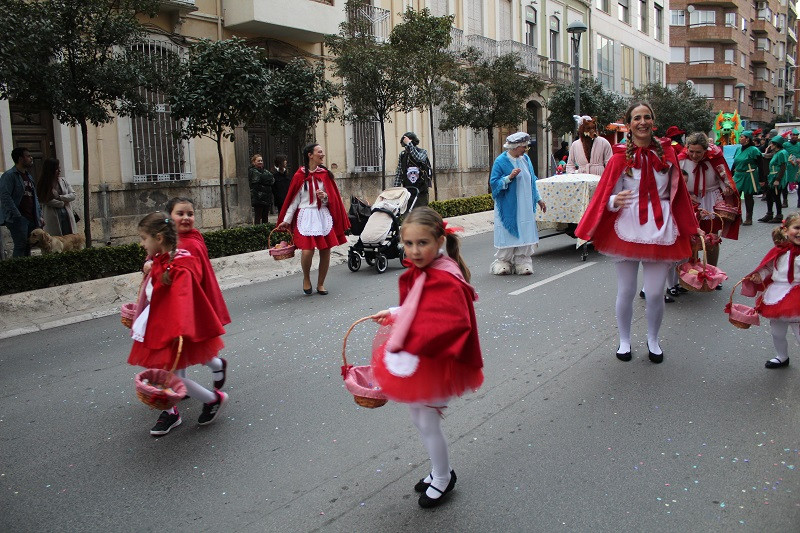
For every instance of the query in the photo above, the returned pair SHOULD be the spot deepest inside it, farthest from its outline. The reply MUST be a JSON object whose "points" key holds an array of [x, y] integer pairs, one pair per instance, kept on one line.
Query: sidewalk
{"points": [[31, 311]]}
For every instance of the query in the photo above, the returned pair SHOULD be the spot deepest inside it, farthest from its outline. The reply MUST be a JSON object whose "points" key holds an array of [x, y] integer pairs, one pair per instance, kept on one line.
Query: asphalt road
{"points": [[561, 437]]}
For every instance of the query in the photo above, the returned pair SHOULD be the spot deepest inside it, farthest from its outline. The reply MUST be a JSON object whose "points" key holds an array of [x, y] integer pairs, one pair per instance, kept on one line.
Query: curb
{"points": [[31, 311]]}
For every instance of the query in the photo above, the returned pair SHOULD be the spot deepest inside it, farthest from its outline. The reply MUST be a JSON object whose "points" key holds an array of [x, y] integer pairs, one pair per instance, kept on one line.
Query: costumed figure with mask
{"points": [[590, 153], [413, 170], [513, 184]]}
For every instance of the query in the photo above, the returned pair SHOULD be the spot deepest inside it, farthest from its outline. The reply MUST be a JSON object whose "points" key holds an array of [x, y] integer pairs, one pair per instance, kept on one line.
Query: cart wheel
{"points": [[381, 263], [370, 260], [402, 256], [353, 262]]}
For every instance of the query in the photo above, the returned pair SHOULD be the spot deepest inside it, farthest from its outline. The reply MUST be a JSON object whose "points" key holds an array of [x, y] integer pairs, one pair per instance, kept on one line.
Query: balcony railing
{"points": [[456, 40], [527, 54], [790, 31], [376, 16], [487, 47], [560, 71]]}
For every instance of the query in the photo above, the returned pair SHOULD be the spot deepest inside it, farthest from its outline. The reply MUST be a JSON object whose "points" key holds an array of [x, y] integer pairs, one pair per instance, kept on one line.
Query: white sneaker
{"points": [[500, 268]]}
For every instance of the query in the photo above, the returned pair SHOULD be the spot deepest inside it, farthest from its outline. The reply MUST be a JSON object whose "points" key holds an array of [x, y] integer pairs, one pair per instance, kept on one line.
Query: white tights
{"points": [[779, 329], [194, 389], [655, 279], [429, 424]]}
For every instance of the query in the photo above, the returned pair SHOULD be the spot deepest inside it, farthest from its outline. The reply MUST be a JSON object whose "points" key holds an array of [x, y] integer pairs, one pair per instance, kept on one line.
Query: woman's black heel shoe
{"points": [[657, 358], [308, 290], [627, 356]]}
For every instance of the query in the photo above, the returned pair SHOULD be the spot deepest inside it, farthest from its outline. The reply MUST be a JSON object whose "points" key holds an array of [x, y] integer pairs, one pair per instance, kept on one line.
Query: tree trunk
{"points": [[383, 155], [433, 155], [490, 148], [87, 218], [223, 203]]}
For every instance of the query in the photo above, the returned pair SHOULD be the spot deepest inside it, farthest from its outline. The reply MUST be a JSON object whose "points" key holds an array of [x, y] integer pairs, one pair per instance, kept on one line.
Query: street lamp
{"points": [[575, 29], [740, 87]]}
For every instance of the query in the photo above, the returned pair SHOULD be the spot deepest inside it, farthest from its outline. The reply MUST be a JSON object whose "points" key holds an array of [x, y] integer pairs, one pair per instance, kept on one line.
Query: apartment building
{"points": [[740, 55]]}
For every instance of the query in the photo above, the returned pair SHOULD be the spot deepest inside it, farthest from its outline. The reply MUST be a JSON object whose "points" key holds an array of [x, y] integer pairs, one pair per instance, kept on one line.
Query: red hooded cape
{"points": [[597, 219], [335, 205], [194, 243], [730, 230], [178, 309], [748, 287]]}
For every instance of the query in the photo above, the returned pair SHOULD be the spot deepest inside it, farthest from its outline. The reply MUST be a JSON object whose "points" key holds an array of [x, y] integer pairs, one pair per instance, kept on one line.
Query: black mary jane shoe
{"points": [[422, 486], [656, 358], [771, 364], [627, 356], [427, 502], [668, 299]]}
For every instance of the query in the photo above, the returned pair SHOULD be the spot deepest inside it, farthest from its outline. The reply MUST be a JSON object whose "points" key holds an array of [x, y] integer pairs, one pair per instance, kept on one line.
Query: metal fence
{"points": [[367, 146]]}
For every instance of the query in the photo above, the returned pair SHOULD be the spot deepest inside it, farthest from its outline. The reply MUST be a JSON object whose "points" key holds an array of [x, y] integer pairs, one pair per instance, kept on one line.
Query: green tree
{"points": [[493, 93], [680, 106], [220, 87], [78, 60], [787, 116], [369, 69], [422, 40], [297, 98], [597, 102]]}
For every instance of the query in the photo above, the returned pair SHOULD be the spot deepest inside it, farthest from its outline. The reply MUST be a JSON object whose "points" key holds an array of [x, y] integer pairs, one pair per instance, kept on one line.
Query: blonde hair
{"points": [[778, 235], [253, 159], [698, 138], [425, 216]]}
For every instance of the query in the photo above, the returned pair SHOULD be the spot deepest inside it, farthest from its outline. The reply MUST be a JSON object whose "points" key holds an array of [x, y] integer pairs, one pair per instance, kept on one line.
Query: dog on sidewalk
{"points": [[54, 244]]}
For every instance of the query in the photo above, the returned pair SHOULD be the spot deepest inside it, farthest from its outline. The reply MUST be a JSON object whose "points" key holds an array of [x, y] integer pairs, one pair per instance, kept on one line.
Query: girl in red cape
{"points": [[432, 353], [777, 279], [176, 307], [316, 215], [641, 213]]}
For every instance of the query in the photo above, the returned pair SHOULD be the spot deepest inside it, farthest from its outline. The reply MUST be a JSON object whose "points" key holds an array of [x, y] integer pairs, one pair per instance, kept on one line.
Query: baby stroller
{"points": [[379, 239]]}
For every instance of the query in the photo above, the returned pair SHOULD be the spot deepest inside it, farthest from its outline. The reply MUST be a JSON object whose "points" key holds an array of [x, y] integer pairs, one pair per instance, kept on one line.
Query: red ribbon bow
{"points": [[647, 160], [449, 231]]}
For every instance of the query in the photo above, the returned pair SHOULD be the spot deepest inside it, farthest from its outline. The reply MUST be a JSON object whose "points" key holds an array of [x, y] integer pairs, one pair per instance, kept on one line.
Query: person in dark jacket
{"points": [[261, 181], [282, 179], [413, 169]]}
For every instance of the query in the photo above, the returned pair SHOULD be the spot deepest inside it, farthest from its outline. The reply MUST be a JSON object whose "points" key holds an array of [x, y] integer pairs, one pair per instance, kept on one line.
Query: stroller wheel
{"points": [[381, 263], [370, 260], [353, 262]]}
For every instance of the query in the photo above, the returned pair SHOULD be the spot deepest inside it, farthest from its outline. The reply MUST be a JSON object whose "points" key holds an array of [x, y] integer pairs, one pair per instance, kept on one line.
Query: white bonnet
{"points": [[580, 120], [517, 139]]}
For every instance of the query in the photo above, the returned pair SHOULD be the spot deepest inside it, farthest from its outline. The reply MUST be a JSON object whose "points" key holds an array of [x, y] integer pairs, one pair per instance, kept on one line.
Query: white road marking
{"points": [[551, 278]]}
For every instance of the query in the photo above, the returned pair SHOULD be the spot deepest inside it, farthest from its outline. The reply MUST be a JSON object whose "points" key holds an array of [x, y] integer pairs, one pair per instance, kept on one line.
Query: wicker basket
{"points": [[127, 313], [161, 389], [685, 269], [358, 379], [740, 315], [279, 252]]}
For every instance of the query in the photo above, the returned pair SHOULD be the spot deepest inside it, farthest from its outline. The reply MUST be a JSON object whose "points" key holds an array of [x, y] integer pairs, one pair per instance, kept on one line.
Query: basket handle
{"points": [[269, 237], [344, 342], [730, 300], [178, 354], [703, 242]]}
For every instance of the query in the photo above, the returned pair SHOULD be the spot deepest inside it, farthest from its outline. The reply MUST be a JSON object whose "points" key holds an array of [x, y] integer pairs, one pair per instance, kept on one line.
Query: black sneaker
{"points": [[211, 410], [166, 421], [218, 384]]}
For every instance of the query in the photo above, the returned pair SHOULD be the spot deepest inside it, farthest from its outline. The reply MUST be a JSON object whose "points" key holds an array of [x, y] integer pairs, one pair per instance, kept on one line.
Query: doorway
{"points": [[534, 130], [33, 130]]}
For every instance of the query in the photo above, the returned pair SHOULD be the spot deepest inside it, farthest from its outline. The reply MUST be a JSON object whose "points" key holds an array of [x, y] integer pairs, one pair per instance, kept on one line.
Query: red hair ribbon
{"points": [[450, 231]]}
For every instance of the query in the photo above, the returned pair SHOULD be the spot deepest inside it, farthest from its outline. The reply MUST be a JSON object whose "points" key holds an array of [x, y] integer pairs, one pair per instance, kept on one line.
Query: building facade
{"points": [[739, 55]]}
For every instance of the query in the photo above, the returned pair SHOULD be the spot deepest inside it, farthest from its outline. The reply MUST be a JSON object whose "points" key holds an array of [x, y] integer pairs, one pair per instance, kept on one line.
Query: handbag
{"points": [[77, 217]]}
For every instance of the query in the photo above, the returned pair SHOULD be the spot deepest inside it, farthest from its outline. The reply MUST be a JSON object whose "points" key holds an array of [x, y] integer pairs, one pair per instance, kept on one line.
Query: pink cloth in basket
{"points": [[743, 313], [693, 274]]}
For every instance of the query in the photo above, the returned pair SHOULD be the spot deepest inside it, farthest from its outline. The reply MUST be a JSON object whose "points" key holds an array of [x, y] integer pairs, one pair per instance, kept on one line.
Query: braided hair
{"points": [[160, 223], [631, 147], [778, 235]]}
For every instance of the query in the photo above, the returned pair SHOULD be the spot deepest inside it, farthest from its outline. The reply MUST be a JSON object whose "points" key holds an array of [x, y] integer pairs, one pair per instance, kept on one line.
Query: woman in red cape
{"points": [[641, 213], [316, 215]]}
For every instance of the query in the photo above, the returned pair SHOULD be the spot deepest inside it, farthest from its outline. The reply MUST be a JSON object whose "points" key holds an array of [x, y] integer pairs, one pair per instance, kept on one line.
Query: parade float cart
{"points": [[567, 197]]}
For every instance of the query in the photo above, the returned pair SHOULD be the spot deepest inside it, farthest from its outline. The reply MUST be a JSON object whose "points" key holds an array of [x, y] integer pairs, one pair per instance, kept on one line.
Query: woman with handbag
{"points": [[56, 197]]}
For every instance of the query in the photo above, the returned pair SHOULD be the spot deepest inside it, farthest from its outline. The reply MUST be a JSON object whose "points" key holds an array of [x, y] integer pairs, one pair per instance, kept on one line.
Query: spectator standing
{"points": [[282, 179], [590, 153], [56, 197], [19, 206], [413, 169], [261, 181]]}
